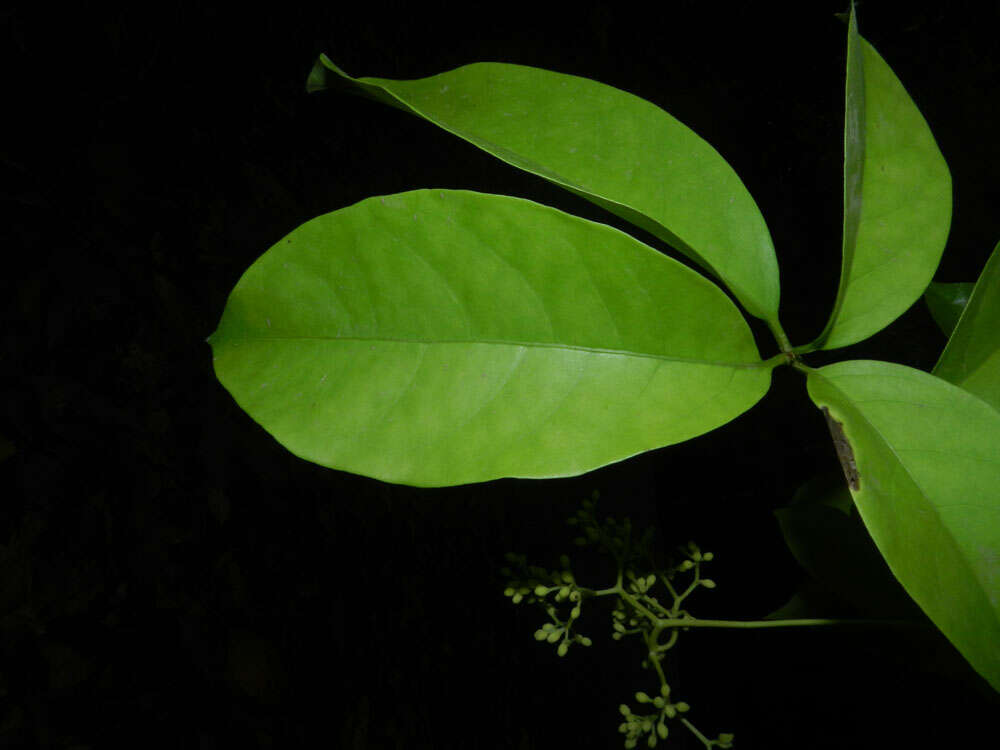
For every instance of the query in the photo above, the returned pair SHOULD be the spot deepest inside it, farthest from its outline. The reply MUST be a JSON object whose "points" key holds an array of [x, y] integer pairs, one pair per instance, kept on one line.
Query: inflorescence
{"points": [[637, 611]]}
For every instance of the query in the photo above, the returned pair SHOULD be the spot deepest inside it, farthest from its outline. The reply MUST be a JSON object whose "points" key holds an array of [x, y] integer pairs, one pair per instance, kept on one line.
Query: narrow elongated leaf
{"points": [[972, 357], [947, 301], [927, 457], [897, 200], [611, 147], [443, 337]]}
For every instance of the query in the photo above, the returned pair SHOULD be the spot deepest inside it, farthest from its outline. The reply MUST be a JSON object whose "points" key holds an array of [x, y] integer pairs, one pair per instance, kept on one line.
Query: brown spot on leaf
{"points": [[844, 451]]}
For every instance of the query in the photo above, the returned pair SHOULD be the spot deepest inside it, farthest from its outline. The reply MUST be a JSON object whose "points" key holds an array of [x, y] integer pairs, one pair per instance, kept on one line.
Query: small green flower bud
{"points": [[574, 596], [567, 577], [517, 598], [575, 612], [563, 648], [647, 725], [651, 742], [554, 635], [630, 743], [686, 565], [661, 729], [618, 614], [618, 627], [563, 593], [708, 583], [682, 707], [624, 710], [616, 636], [541, 635], [585, 641], [641, 697], [541, 590], [670, 711], [658, 702], [707, 556], [665, 691], [623, 727], [650, 580], [725, 740]]}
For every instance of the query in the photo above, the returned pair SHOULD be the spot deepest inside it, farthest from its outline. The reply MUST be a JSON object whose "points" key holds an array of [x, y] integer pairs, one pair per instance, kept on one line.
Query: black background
{"points": [[172, 577]]}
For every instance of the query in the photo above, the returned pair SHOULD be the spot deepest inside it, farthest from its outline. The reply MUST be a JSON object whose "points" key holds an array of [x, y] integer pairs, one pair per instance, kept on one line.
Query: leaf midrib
{"points": [[533, 344]]}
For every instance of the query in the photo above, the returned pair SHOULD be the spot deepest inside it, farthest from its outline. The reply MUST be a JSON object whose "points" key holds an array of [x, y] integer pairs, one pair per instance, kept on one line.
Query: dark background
{"points": [[170, 576]]}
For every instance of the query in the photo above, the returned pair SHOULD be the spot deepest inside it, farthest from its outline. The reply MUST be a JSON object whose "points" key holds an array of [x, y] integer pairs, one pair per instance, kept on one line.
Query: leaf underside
{"points": [[444, 337], [928, 461], [606, 145]]}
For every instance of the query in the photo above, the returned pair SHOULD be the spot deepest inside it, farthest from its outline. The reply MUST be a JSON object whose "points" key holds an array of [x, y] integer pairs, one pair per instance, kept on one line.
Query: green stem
{"points": [[777, 359], [779, 335], [804, 623], [696, 733]]}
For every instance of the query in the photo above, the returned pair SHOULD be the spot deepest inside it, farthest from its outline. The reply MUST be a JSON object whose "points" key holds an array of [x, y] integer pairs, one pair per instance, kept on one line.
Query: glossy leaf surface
{"points": [[611, 147], [928, 459], [972, 357], [444, 337], [947, 301], [897, 200]]}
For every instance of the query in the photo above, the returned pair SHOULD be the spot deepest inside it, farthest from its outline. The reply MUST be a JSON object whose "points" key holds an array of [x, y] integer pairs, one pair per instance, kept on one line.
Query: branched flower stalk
{"points": [[637, 611]]}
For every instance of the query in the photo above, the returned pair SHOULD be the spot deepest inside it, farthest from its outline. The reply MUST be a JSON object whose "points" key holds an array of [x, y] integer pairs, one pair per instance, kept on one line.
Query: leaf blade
{"points": [[445, 337], [830, 542], [929, 467], [897, 200], [603, 144], [971, 359], [946, 302]]}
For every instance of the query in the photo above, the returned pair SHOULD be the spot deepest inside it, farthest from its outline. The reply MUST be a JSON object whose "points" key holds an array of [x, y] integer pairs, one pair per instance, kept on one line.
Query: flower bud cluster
{"points": [[549, 588], [636, 726], [636, 610]]}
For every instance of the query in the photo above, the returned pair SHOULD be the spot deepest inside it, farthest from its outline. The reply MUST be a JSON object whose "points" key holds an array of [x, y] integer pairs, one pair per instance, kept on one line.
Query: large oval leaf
{"points": [[443, 337], [611, 147], [926, 472], [972, 357], [897, 200]]}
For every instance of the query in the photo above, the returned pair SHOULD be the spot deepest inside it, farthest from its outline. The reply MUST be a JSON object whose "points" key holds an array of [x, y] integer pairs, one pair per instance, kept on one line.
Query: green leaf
{"points": [[928, 489], [972, 357], [608, 146], [897, 200], [442, 337], [831, 543], [946, 301]]}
